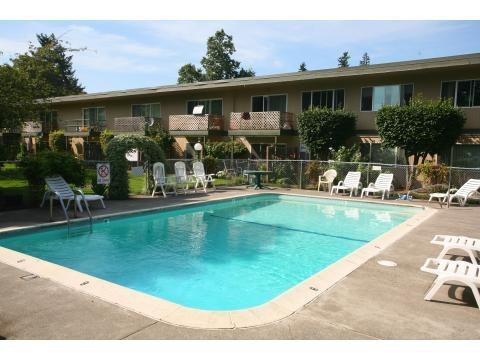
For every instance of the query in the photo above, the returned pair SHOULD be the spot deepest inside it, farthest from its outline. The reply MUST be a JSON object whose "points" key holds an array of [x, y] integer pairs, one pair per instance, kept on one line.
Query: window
{"points": [[464, 93], [147, 110], [95, 116], [333, 99], [48, 119], [210, 106], [269, 103], [373, 98]]}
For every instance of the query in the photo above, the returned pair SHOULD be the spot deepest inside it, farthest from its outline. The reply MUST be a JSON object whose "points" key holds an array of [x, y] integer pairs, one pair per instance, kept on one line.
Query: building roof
{"points": [[393, 67]]}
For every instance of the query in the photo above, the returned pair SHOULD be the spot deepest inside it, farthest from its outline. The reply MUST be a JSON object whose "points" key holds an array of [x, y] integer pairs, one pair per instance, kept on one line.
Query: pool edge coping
{"points": [[278, 308]]}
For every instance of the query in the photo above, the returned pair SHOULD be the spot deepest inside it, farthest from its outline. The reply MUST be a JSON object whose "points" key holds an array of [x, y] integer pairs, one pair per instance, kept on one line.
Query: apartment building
{"points": [[261, 111]]}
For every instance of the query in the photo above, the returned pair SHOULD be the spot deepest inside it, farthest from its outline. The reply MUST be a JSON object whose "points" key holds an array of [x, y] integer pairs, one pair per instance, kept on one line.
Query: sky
{"points": [[132, 54]]}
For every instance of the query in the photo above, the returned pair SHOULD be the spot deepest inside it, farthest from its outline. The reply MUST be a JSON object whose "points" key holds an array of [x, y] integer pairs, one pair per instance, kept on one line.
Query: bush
{"points": [[313, 171], [223, 149], [433, 174], [322, 129], [48, 163], [115, 152], [210, 164], [10, 147], [57, 141], [164, 140], [104, 138]]}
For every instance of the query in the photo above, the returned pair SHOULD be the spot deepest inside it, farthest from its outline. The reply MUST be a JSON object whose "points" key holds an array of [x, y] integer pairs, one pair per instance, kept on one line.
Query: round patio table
{"points": [[258, 181]]}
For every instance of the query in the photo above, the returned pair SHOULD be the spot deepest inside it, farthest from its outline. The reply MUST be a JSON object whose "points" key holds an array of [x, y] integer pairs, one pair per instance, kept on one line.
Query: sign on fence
{"points": [[103, 173]]}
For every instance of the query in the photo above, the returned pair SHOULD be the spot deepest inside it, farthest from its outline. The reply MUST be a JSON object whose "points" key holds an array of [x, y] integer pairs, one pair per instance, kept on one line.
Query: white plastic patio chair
{"points": [[58, 189], [160, 179], [350, 184], [464, 243], [382, 184], [202, 178], [182, 178], [450, 270], [327, 179], [462, 194]]}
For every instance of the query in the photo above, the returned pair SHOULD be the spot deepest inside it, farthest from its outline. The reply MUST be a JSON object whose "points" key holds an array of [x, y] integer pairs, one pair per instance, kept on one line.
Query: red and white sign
{"points": [[103, 173]]}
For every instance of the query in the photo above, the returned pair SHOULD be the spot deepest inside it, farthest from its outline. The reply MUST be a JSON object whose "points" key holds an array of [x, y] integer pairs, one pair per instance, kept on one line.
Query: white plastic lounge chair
{"points": [[450, 242], [160, 179], [327, 179], [462, 194], [383, 184], [181, 176], [202, 178], [58, 189], [449, 270], [350, 184]]}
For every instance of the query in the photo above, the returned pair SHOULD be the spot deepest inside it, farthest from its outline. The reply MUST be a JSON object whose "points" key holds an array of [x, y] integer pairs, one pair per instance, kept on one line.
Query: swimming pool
{"points": [[227, 255]]}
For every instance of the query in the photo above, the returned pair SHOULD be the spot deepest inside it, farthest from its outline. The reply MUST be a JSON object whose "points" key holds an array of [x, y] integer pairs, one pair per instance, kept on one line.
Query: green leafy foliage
{"points": [[422, 128], [223, 149], [322, 129], [343, 60], [49, 163], [210, 164], [10, 146], [57, 140], [217, 63], [433, 174], [189, 73], [347, 154], [115, 152], [164, 140], [104, 138], [48, 67]]}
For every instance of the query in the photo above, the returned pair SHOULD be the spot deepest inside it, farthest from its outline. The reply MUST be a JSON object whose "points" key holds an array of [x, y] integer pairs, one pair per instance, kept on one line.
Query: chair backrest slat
{"points": [[180, 171], [58, 184], [352, 179], [159, 172], [198, 168], [470, 186], [384, 181], [330, 175]]}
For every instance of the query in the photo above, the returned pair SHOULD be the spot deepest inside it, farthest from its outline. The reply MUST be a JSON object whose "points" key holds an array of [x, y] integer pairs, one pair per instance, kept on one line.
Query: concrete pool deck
{"points": [[371, 302]]}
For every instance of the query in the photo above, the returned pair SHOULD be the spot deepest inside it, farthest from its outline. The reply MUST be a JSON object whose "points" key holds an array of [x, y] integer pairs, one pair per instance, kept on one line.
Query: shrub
{"points": [[48, 163], [223, 149], [11, 147], [57, 141], [115, 152], [433, 174], [321, 129], [313, 171], [104, 138], [210, 164], [164, 140], [284, 170], [347, 154]]}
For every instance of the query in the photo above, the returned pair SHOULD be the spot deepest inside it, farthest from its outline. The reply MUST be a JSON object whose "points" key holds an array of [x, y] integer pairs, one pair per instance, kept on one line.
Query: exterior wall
{"points": [[238, 99]]}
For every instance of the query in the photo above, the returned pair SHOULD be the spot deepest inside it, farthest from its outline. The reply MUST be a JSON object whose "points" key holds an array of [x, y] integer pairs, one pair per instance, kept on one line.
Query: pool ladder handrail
{"points": [[75, 193]]}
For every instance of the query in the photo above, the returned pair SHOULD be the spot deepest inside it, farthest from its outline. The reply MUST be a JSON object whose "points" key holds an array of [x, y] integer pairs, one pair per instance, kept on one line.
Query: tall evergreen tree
{"points": [[50, 65], [365, 59], [189, 73], [303, 67], [217, 63], [343, 60]]}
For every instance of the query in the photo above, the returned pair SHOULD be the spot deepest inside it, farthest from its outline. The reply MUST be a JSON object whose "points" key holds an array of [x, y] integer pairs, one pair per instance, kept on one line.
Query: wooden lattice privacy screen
{"points": [[267, 120], [129, 125], [195, 122]]}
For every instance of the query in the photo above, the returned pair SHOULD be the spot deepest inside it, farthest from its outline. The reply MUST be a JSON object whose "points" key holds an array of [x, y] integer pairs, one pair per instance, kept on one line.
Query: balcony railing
{"points": [[79, 127], [195, 124], [265, 122], [130, 125]]}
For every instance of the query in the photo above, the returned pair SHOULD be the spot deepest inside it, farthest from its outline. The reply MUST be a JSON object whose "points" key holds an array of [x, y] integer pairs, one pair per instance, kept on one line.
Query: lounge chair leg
{"points": [[437, 284], [103, 204]]}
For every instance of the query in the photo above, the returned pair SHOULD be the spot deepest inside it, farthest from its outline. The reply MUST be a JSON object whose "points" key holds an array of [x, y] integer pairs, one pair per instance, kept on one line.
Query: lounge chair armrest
{"points": [[340, 183], [371, 185], [360, 186], [77, 191]]}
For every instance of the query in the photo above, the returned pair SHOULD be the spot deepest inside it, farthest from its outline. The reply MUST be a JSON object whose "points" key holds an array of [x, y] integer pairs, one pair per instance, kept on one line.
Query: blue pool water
{"points": [[227, 255]]}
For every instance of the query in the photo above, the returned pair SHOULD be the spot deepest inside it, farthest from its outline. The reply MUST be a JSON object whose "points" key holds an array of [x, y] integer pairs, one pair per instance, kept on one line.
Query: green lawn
{"points": [[15, 192]]}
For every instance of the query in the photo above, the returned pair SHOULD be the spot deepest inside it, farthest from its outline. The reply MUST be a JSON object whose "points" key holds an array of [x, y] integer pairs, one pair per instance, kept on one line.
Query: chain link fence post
{"points": [[301, 173]]}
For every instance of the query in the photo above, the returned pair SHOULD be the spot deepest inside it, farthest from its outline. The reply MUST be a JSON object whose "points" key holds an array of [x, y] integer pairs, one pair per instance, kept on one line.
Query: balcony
{"points": [[196, 125], [76, 128], [132, 125], [261, 123]]}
